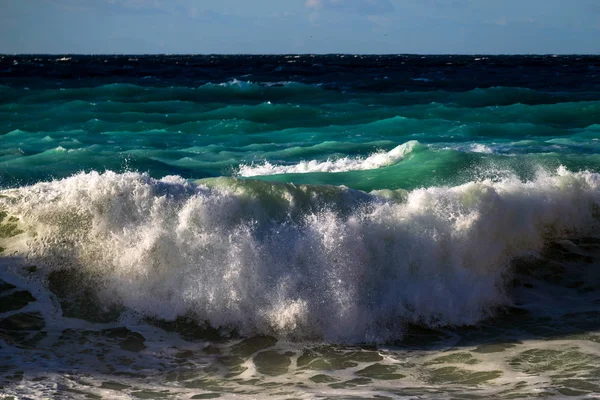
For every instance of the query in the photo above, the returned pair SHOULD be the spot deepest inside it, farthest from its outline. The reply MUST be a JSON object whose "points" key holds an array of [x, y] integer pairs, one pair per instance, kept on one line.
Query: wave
{"points": [[472, 147], [230, 91], [295, 261], [374, 161], [573, 114]]}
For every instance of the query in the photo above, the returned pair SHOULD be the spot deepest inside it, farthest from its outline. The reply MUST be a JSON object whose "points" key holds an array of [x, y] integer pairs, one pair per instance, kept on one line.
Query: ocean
{"points": [[299, 227]]}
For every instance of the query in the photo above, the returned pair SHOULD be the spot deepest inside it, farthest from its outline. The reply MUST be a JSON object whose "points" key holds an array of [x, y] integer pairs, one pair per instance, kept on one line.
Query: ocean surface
{"points": [[299, 227]]}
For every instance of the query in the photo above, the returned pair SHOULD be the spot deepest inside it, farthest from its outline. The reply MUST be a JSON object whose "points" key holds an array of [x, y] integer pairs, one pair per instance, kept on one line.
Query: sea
{"points": [[299, 227]]}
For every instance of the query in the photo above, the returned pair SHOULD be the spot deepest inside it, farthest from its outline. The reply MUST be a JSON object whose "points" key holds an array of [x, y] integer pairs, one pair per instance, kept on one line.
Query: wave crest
{"points": [[338, 264], [376, 160]]}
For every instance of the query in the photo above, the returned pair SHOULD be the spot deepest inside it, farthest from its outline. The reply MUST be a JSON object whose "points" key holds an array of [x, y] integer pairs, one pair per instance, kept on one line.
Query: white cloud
{"points": [[314, 3], [370, 7]]}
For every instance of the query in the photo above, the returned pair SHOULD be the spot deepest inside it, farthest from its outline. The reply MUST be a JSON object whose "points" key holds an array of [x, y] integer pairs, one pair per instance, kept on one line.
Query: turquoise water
{"points": [[299, 227], [214, 129]]}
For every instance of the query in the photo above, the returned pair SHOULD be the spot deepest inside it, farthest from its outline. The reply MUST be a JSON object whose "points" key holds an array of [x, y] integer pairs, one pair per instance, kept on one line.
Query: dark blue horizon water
{"points": [[339, 71]]}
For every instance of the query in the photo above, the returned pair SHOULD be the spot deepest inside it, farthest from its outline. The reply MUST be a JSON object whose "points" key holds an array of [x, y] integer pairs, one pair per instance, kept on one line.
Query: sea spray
{"points": [[303, 261]]}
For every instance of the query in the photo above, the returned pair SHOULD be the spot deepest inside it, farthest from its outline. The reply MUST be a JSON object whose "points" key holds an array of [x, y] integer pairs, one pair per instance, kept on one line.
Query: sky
{"points": [[300, 26]]}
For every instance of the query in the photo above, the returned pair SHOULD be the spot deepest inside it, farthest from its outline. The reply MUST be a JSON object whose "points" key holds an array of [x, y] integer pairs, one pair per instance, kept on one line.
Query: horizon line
{"points": [[305, 54]]}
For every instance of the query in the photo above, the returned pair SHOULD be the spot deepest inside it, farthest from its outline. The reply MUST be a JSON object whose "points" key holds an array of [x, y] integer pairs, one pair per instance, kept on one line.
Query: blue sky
{"points": [[300, 26]]}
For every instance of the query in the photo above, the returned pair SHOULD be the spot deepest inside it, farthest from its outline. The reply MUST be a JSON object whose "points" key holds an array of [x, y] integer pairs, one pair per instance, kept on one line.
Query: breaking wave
{"points": [[376, 160], [296, 261]]}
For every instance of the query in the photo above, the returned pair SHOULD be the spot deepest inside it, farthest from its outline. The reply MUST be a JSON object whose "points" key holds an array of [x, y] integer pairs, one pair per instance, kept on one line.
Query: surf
{"points": [[296, 261]]}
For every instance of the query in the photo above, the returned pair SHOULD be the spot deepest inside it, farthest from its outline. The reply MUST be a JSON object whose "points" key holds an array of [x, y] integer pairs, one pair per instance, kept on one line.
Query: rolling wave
{"points": [[294, 261], [374, 161]]}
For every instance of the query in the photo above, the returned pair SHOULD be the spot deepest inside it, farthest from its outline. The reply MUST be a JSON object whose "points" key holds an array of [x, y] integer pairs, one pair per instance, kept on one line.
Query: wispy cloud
{"points": [[370, 7], [175, 8], [137, 3], [122, 7]]}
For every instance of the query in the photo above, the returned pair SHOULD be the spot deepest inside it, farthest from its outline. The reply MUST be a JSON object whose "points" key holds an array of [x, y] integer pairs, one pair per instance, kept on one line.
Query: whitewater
{"points": [[299, 261]]}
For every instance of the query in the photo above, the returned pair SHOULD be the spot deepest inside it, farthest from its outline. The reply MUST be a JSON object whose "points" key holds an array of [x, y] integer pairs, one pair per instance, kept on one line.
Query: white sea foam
{"points": [[376, 160], [471, 148], [235, 83], [481, 148], [166, 248]]}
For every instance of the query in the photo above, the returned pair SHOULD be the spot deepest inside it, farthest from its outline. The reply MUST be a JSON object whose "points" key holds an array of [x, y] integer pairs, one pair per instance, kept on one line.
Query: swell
{"points": [[270, 115], [296, 261], [236, 92]]}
